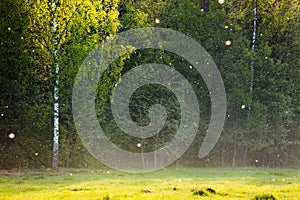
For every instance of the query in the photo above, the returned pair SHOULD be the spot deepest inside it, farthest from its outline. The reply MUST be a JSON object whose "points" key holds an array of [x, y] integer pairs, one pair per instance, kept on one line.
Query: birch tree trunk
{"points": [[252, 57], [55, 91]]}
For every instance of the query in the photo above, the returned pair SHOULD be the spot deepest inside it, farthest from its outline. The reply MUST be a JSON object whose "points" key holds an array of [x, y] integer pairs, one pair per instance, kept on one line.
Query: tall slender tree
{"points": [[56, 86], [63, 28], [252, 48]]}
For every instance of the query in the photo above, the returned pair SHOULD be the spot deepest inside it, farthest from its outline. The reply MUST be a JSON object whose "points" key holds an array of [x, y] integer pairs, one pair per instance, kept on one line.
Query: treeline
{"points": [[261, 128]]}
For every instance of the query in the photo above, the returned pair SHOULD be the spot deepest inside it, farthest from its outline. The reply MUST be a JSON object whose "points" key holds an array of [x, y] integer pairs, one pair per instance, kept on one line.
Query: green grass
{"points": [[228, 183]]}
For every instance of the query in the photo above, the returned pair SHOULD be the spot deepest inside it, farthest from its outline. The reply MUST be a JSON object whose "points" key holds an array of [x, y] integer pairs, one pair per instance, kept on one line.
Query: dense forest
{"points": [[261, 77]]}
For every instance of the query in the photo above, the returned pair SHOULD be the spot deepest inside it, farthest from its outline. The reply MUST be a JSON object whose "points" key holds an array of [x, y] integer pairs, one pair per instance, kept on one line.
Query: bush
{"points": [[264, 197]]}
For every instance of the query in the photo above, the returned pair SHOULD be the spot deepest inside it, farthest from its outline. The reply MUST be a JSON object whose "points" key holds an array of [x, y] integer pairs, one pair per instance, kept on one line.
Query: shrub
{"points": [[264, 197]]}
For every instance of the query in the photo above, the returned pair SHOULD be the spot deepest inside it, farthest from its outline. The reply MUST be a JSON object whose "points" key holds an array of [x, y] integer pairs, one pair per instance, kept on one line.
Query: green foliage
{"points": [[268, 133], [22, 89]]}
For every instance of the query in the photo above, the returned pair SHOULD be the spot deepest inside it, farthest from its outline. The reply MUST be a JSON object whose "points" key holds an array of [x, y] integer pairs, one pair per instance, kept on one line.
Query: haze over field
{"points": [[211, 84]]}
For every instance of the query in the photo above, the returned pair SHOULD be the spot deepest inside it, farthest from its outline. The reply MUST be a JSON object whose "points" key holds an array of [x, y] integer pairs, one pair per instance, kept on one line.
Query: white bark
{"points": [[252, 48], [55, 93]]}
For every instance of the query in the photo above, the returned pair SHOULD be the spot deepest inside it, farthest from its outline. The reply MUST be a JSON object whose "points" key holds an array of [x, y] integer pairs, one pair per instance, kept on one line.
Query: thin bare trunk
{"points": [[252, 57], [234, 155], [222, 158], [245, 156], [55, 91]]}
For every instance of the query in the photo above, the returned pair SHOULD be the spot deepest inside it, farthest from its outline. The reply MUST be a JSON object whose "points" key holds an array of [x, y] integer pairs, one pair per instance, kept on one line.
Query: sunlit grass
{"points": [[228, 183]]}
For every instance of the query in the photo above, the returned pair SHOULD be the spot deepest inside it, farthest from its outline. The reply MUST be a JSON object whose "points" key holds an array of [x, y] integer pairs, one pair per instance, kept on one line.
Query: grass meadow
{"points": [[169, 183]]}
